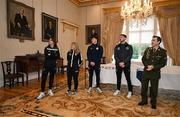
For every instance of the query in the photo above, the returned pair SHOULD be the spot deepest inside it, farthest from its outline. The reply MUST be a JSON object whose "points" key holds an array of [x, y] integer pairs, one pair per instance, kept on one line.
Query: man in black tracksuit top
{"points": [[74, 61], [123, 54], [51, 53], [94, 55]]}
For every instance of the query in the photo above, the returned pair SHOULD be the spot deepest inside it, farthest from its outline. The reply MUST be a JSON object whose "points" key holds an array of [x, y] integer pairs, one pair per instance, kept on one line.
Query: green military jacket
{"points": [[156, 58]]}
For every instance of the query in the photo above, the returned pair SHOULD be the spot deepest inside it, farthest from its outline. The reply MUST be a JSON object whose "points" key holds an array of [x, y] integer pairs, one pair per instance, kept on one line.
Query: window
{"points": [[139, 36]]}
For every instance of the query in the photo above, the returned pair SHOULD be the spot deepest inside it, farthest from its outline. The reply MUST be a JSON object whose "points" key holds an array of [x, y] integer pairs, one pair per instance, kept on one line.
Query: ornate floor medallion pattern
{"points": [[90, 105]]}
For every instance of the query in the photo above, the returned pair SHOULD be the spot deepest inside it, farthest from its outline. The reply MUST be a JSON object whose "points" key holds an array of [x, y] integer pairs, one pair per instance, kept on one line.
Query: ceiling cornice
{"points": [[156, 3], [84, 3], [160, 3]]}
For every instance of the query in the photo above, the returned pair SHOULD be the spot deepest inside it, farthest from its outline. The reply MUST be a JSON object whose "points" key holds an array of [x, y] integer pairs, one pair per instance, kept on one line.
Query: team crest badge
{"points": [[127, 48]]}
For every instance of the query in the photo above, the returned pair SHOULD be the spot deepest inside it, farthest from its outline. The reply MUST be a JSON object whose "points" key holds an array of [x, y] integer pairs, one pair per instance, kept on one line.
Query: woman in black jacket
{"points": [[51, 53], [74, 59]]}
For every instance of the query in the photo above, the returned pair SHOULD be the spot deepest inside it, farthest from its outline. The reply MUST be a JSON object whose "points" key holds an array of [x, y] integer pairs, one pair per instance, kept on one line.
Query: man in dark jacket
{"points": [[94, 55], [154, 59], [123, 54]]}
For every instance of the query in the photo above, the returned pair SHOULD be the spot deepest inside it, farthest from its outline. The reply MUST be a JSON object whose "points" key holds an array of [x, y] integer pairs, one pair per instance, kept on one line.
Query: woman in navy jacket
{"points": [[74, 61], [51, 53]]}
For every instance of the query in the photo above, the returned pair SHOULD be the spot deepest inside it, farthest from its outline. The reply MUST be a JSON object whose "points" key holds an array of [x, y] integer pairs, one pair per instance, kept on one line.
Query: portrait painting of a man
{"points": [[93, 31], [20, 21], [49, 27]]}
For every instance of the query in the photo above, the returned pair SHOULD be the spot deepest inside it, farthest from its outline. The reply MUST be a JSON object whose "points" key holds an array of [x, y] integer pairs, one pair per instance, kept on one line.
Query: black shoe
{"points": [[142, 103]]}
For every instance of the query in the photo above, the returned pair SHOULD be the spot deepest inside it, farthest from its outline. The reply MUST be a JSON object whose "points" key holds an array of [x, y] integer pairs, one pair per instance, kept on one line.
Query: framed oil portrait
{"points": [[49, 27], [93, 31], [20, 20]]}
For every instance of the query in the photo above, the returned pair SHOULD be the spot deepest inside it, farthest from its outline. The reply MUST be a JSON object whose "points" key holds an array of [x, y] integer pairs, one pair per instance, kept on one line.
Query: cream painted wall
{"points": [[92, 15], [63, 9], [1, 49], [67, 11]]}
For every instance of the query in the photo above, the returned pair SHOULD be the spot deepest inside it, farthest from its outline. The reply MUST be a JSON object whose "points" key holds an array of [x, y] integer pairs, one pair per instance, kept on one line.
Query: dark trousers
{"points": [[127, 75], [52, 71], [153, 90], [72, 74], [97, 72]]}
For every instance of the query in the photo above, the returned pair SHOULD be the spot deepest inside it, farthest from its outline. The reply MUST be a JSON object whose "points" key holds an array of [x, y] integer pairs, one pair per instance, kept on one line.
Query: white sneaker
{"points": [[154, 112], [74, 93], [68, 92], [41, 95], [117, 92], [98, 90], [50, 93], [89, 90], [129, 94]]}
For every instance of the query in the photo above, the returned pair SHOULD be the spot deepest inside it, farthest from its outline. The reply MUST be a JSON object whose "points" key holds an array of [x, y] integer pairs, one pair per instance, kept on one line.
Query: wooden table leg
{"points": [[27, 78]]}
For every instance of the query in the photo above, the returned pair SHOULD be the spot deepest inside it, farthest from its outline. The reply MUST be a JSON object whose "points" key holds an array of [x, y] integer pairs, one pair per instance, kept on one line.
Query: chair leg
{"points": [[23, 80], [26, 78], [38, 75], [17, 80], [10, 83], [62, 69], [4, 83]]}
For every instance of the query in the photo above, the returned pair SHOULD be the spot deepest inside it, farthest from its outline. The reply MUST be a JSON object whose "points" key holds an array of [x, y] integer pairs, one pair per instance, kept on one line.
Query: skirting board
{"points": [[31, 76]]}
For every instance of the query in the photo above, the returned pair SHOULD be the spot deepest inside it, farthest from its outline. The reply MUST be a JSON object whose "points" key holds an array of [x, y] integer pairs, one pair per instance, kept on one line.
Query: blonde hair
{"points": [[77, 51]]}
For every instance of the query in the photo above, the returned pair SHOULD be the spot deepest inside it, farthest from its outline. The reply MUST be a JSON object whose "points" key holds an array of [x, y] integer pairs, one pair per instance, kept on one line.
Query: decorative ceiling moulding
{"points": [[84, 3], [160, 3], [168, 11], [112, 10], [166, 8], [156, 3]]}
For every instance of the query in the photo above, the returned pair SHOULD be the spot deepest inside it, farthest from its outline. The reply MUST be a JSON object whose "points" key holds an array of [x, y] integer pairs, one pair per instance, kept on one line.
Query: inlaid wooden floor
{"points": [[7, 93]]}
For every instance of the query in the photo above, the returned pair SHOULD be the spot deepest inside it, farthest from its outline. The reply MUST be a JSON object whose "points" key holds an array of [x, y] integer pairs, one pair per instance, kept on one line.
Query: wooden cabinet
{"points": [[30, 63]]}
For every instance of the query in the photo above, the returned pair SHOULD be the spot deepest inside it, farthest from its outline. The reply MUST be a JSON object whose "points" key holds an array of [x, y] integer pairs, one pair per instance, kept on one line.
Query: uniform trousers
{"points": [[154, 82]]}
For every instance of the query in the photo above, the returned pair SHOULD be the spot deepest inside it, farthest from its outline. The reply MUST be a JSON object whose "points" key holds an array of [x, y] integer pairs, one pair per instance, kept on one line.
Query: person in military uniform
{"points": [[123, 54], [51, 53], [94, 55], [74, 61], [154, 59]]}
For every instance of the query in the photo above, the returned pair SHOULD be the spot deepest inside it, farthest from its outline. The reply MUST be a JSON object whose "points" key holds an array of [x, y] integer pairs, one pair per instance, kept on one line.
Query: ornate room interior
{"points": [[22, 51]]}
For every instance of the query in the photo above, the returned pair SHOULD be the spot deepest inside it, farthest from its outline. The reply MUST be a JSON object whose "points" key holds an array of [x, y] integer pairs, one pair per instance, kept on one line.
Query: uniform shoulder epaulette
{"points": [[148, 48], [163, 49]]}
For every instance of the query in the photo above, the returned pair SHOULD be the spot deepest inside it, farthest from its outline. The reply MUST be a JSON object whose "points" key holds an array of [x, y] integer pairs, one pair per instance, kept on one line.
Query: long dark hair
{"points": [[54, 41]]}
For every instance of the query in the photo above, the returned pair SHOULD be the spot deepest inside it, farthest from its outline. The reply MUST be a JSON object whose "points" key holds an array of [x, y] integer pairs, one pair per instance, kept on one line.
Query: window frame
{"points": [[127, 32]]}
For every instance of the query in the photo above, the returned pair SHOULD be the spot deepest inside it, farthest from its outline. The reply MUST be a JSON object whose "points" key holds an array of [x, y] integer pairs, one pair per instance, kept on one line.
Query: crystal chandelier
{"points": [[137, 10]]}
